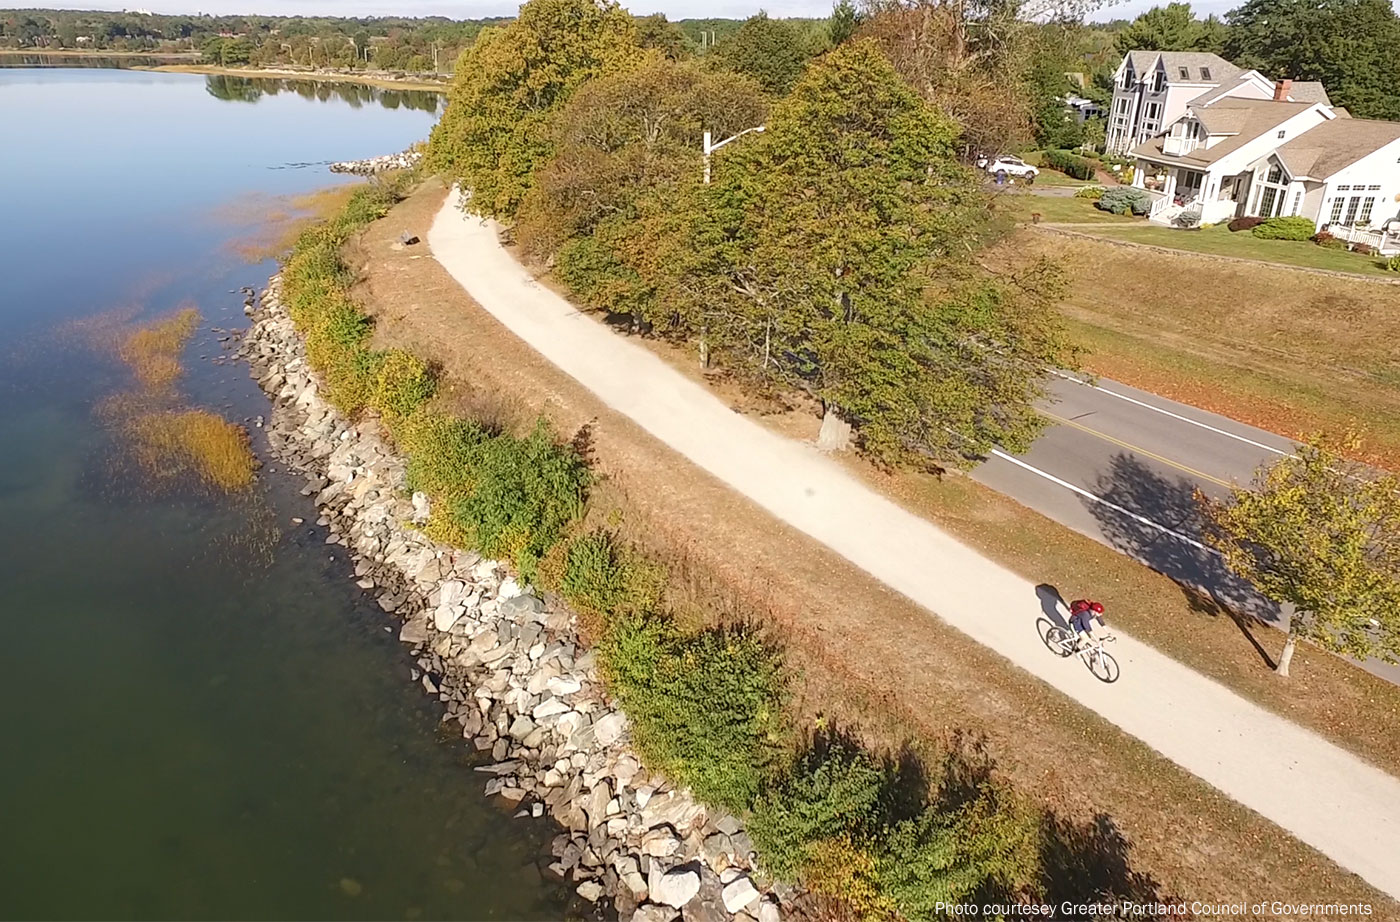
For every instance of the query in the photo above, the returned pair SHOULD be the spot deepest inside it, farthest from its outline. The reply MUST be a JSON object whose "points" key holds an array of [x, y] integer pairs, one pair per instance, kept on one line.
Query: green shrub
{"points": [[526, 493], [1285, 229], [705, 708], [1090, 192], [1125, 199], [988, 844], [1329, 241], [1069, 163], [1190, 218], [835, 791], [402, 384], [1393, 264], [603, 578]]}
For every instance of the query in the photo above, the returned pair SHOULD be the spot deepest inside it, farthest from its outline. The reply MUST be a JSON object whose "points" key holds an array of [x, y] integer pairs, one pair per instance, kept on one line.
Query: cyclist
{"points": [[1082, 614]]}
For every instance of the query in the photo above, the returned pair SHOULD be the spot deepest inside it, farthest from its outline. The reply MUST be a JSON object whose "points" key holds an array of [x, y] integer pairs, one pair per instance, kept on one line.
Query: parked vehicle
{"points": [[1010, 166]]}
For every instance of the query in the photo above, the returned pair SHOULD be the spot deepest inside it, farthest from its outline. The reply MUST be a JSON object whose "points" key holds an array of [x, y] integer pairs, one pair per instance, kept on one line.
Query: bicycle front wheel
{"points": [[1104, 667]]}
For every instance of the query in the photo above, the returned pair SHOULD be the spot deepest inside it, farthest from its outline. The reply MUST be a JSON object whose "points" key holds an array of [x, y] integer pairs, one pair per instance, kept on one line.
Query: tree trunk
{"points": [[1286, 656], [835, 434]]}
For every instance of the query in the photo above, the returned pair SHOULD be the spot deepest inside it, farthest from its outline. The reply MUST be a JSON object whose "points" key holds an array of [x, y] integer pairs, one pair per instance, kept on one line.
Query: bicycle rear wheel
{"points": [[1059, 640], [1104, 666]]}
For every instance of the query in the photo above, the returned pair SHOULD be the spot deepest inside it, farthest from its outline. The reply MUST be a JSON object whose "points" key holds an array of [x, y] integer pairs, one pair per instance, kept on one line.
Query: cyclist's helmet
{"points": [[1096, 608]]}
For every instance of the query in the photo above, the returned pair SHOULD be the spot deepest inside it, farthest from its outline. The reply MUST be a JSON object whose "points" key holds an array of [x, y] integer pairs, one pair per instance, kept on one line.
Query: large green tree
{"points": [[495, 132], [771, 51], [1352, 46], [1172, 28], [832, 256], [613, 205], [1322, 534]]}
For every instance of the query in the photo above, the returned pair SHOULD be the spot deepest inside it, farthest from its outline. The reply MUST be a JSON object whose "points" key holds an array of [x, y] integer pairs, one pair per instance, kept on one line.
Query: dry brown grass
{"points": [[863, 655], [153, 351], [1290, 351]]}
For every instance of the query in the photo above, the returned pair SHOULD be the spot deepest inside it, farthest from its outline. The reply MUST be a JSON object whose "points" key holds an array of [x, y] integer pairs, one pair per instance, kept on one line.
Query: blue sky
{"points": [[675, 9]]}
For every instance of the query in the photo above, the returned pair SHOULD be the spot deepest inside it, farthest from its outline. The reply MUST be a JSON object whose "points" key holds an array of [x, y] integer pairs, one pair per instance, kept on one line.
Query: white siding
{"points": [[1380, 168]]}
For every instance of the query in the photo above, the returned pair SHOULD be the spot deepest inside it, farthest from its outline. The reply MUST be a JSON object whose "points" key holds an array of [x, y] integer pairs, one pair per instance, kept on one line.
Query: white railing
{"points": [[1387, 244], [1160, 204], [1176, 146]]}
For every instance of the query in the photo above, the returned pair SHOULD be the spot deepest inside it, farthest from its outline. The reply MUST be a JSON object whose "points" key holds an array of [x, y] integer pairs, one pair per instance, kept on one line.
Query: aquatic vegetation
{"points": [[153, 352], [176, 442]]}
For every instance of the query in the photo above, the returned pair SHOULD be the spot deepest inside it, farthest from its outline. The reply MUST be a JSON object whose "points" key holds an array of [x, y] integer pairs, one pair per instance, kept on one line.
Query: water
{"points": [[201, 715]]}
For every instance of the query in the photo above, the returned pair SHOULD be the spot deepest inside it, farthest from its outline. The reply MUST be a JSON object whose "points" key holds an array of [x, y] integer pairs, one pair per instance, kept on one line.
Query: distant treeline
{"points": [[423, 45]]}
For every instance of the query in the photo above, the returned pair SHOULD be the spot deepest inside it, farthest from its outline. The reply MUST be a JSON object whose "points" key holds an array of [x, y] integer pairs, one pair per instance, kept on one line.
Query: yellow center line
{"points": [[1136, 450]]}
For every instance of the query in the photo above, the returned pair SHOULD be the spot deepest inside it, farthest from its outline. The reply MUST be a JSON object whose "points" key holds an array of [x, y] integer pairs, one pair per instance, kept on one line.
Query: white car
{"points": [[1011, 166]]}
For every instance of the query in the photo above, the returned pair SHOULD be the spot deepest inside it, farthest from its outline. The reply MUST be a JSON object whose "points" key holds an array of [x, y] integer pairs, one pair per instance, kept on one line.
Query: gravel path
{"points": [[1341, 805]]}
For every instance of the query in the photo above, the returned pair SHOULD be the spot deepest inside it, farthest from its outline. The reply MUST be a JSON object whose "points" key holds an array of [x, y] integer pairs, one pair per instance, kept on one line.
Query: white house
{"points": [[1234, 157], [1152, 89]]}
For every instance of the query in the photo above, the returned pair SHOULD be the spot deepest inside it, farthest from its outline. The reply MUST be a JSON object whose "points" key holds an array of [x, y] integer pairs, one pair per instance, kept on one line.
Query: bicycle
{"points": [[1063, 643]]}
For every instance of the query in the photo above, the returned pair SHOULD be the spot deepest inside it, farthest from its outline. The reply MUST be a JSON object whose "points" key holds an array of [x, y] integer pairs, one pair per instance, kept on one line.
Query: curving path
{"points": [[1341, 805]]}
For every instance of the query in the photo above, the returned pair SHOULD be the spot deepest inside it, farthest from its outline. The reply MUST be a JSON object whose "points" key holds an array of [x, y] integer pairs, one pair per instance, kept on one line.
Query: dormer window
{"points": [[1281, 133], [1185, 73], [1159, 82], [1205, 73]]}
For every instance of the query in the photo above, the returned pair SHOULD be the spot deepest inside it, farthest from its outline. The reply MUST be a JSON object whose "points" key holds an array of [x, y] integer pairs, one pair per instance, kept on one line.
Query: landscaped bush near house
{"points": [[1188, 218], [1125, 199], [1090, 192], [706, 708], [1069, 163], [1285, 229], [1330, 241], [1393, 264]]}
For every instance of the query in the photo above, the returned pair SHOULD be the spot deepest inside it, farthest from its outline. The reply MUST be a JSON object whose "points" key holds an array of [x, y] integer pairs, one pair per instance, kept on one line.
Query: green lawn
{"points": [[1219, 241], [1060, 209]]}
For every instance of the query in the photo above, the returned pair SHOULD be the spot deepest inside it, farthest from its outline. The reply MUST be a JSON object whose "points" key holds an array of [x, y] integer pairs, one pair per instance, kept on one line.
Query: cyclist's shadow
{"points": [[1053, 605]]}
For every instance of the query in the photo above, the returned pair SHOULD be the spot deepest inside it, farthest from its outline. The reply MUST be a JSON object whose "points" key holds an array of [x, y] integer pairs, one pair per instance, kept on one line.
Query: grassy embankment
{"points": [[710, 699], [1287, 350]]}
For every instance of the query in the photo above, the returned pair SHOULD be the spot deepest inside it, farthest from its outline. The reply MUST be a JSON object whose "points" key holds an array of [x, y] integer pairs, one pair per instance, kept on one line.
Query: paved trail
{"points": [[1339, 804]]}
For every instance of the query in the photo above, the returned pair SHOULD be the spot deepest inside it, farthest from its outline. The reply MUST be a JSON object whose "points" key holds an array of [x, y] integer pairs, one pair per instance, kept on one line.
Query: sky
{"points": [[472, 9]]}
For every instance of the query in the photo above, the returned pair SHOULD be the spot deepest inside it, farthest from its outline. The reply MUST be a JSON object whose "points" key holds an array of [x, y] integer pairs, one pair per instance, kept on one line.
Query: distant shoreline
{"points": [[179, 63]]}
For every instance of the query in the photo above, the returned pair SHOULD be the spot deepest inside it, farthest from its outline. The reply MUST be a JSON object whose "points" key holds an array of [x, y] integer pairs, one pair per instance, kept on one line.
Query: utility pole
{"points": [[709, 148]]}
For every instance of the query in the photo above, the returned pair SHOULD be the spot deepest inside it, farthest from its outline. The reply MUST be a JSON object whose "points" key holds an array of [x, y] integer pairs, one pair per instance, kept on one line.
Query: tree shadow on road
{"points": [[1209, 586]]}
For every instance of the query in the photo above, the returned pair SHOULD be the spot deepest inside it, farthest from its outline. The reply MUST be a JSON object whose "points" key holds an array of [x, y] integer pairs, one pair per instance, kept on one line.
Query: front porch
{"points": [[1177, 189]]}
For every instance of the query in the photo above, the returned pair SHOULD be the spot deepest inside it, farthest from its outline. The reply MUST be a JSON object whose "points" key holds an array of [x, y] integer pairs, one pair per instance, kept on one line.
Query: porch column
{"points": [[1169, 189], [1140, 175]]}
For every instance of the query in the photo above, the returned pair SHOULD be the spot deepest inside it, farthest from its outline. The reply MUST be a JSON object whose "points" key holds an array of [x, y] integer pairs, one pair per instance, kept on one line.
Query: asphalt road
{"points": [[1122, 466]]}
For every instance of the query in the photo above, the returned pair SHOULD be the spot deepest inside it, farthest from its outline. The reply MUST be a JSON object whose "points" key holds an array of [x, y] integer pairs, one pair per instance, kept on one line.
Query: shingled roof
{"points": [[1201, 66], [1241, 120], [1335, 145]]}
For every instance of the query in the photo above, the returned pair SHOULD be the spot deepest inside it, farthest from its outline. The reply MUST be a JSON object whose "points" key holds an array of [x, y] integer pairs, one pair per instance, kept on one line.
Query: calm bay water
{"points": [[202, 718]]}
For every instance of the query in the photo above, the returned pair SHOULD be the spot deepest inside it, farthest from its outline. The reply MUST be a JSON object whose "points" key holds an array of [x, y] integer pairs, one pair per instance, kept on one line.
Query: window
{"points": [[1372, 188], [1267, 200], [1120, 106], [1344, 188], [1353, 206], [1152, 110], [1364, 215], [1159, 81], [1337, 205], [1281, 133], [1275, 174], [1205, 73], [1185, 73], [1297, 202]]}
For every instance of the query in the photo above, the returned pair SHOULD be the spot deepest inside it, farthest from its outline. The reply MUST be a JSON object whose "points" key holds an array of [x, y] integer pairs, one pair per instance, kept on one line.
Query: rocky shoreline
{"points": [[509, 669], [401, 161]]}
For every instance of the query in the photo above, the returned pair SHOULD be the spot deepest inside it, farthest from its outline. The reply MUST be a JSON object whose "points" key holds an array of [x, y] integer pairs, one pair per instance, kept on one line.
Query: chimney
{"points": [[1282, 89]]}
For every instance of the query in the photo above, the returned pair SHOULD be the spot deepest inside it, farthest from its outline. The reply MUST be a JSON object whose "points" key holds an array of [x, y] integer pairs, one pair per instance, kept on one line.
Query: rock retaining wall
{"points": [[399, 161], [509, 669]]}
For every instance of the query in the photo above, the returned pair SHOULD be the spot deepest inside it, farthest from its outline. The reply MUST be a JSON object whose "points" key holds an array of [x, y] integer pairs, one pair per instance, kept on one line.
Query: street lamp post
{"points": [[711, 148]]}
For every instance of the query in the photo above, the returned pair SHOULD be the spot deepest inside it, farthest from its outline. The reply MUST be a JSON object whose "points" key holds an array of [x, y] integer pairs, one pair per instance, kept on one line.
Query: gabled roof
{"points": [[1219, 69], [1335, 145], [1240, 120]]}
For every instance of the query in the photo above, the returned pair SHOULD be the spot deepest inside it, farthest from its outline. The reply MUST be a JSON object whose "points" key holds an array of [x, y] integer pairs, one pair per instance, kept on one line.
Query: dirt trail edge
{"points": [[1339, 804]]}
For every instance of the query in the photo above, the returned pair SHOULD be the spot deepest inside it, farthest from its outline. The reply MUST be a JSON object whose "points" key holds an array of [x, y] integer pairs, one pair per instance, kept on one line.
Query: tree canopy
{"points": [[830, 256], [1322, 534], [495, 131], [771, 51], [1172, 28], [1352, 46]]}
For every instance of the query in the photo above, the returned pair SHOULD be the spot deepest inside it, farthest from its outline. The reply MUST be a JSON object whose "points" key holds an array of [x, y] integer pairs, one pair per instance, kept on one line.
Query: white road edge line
{"points": [[1099, 499], [1184, 419]]}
